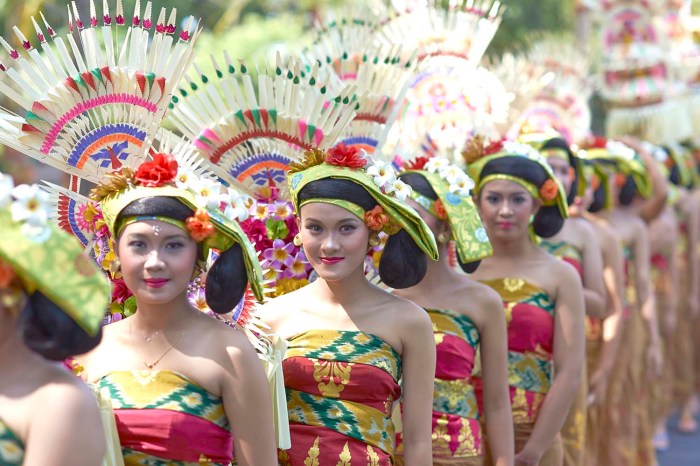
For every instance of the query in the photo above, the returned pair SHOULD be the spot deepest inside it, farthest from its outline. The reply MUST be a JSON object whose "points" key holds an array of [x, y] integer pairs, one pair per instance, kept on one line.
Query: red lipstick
{"points": [[505, 225], [331, 260], [156, 282]]}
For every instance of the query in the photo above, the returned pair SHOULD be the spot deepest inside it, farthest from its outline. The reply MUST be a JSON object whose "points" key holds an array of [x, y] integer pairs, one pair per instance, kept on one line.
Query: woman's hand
{"points": [[527, 458]]}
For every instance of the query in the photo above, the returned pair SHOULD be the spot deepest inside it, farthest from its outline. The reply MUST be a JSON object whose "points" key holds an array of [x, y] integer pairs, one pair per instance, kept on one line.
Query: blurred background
{"points": [[250, 28]]}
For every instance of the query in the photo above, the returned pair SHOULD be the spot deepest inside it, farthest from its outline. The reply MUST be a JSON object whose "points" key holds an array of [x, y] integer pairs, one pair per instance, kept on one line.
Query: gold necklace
{"points": [[155, 363]]}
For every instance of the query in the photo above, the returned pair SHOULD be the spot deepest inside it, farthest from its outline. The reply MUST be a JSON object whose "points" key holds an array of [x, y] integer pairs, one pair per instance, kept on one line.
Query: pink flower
{"points": [[281, 210], [257, 233], [120, 292], [278, 253], [297, 266]]}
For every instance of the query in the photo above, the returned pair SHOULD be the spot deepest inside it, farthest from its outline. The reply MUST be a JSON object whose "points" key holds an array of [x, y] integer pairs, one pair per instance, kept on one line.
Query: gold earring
{"points": [[297, 240], [374, 240], [443, 238]]}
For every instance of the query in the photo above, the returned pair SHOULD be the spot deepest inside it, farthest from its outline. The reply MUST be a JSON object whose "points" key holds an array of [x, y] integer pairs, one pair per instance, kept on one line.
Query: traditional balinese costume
{"points": [[99, 123], [47, 261], [335, 414], [457, 434], [529, 313]]}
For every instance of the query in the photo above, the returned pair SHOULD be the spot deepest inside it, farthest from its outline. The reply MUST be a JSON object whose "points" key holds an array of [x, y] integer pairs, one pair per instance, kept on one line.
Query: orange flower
{"points": [[7, 274], [620, 179], [440, 211], [199, 225], [549, 190], [376, 218], [595, 182]]}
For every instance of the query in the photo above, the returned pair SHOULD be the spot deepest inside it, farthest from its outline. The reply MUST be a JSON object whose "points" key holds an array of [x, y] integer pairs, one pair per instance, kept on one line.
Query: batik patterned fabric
{"points": [[164, 418], [11, 447], [573, 432], [530, 325], [456, 429], [341, 388]]}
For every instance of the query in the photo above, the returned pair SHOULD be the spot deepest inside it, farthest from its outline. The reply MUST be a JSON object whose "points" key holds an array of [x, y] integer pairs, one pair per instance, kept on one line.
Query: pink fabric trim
{"points": [[173, 435]]}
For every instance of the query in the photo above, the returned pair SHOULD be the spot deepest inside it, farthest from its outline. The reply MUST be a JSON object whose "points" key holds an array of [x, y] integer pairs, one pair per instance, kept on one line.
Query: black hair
{"points": [[47, 330], [422, 186], [598, 202], [628, 191], [403, 264], [227, 279], [548, 220], [560, 143]]}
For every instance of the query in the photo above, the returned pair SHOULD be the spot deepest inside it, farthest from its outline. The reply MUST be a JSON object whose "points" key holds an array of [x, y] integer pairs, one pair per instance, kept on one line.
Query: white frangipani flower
{"points": [[185, 179], [436, 164], [7, 184], [383, 175], [401, 190], [237, 206], [31, 205], [452, 174], [462, 187], [619, 149], [207, 193]]}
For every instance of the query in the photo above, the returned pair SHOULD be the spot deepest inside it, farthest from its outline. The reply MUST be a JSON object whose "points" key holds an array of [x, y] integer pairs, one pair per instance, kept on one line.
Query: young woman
{"points": [[602, 336], [467, 320], [577, 244], [518, 197], [641, 359], [52, 300], [350, 342], [186, 388]]}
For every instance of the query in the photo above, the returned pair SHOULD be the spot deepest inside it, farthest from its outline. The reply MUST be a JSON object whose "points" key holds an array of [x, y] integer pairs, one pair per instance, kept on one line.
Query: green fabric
{"points": [[11, 447], [628, 166], [229, 232], [347, 205], [398, 212], [467, 229], [474, 170], [129, 220], [58, 267]]}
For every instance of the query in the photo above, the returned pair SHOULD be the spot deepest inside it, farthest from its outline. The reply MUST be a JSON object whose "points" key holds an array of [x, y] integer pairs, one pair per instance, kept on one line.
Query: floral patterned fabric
{"points": [[530, 323], [341, 388], [11, 447], [164, 418], [456, 428]]}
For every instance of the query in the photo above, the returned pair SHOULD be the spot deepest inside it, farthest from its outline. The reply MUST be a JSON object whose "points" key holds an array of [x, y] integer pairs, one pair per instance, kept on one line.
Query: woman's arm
{"points": [[494, 370], [569, 337], [592, 264], [613, 276], [418, 360], [651, 208], [248, 405], [645, 295], [66, 428], [691, 207]]}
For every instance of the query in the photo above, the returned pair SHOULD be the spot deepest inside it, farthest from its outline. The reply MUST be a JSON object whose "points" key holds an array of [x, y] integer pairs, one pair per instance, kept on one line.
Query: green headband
{"points": [[400, 215], [469, 233], [227, 232], [140, 218], [629, 166], [550, 194], [347, 205], [58, 267]]}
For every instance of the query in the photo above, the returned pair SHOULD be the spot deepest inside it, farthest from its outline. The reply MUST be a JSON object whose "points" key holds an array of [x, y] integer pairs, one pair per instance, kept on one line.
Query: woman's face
{"points": [[505, 209], [157, 260], [562, 171], [335, 240]]}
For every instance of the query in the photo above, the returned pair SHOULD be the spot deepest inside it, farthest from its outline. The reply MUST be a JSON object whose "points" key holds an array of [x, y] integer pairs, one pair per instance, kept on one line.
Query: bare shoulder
{"points": [[485, 302], [66, 397], [405, 313], [275, 311], [584, 227]]}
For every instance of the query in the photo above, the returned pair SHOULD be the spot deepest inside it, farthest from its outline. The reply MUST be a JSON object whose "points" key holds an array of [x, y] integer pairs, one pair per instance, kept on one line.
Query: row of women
{"points": [[514, 323]]}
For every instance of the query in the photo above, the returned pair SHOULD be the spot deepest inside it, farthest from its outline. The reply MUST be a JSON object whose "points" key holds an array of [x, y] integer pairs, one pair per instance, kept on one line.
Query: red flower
{"points": [[7, 274], [440, 211], [120, 292], [376, 218], [417, 164], [158, 172], [549, 190], [493, 148], [343, 155], [257, 233], [199, 225]]}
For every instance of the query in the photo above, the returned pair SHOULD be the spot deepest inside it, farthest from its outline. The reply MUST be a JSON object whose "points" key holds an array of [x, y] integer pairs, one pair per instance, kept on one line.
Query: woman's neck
{"points": [[16, 359], [512, 249], [439, 272], [160, 316], [343, 291]]}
